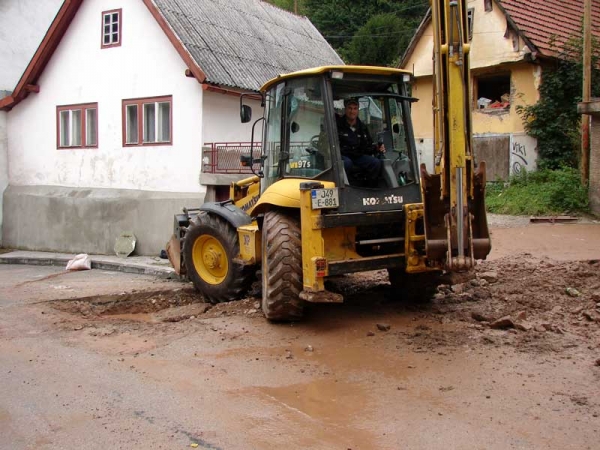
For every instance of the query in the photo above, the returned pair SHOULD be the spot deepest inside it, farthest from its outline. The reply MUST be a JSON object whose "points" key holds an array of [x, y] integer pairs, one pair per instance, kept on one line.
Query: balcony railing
{"points": [[224, 157]]}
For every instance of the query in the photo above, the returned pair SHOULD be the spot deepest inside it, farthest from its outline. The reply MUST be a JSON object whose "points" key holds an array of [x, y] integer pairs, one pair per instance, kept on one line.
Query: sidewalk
{"points": [[147, 265]]}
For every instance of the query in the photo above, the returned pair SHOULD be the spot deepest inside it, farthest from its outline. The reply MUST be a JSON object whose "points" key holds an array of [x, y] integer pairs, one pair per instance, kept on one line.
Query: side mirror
{"points": [[396, 128], [245, 113]]}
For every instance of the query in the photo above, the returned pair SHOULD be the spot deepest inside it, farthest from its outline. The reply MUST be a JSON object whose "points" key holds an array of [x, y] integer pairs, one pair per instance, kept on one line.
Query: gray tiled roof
{"points": [[244, 43]]}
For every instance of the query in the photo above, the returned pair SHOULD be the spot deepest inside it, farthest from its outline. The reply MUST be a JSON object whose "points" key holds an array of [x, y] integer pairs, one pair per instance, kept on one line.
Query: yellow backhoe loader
{"points": [[302, 218]]}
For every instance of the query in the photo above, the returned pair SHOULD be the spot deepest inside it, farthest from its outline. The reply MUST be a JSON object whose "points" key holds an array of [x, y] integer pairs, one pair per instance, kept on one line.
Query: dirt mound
{"points": [[542, 304], [135, 302]]}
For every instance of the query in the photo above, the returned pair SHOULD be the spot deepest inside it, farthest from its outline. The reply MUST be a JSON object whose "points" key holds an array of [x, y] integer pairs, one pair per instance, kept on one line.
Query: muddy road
{"points": [[508, 359]]}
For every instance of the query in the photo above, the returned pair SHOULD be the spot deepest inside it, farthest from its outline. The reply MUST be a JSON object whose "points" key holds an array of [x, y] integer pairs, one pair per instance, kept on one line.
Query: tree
{"points": [[340, 20], [380, 41], [554, 120], [290, 5]]}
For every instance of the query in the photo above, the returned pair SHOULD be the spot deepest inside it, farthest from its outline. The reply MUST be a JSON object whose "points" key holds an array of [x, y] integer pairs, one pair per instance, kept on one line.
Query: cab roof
{"points": [[370, 70]]}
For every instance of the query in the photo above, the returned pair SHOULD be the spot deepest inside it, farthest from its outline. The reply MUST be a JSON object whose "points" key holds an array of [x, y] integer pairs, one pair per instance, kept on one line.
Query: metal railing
{"points": [[224, 157]]}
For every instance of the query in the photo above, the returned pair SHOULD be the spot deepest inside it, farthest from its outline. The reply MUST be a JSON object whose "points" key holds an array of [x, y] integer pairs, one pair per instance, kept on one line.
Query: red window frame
{"points": [[83, 107], [120, 25], [140, 102]]}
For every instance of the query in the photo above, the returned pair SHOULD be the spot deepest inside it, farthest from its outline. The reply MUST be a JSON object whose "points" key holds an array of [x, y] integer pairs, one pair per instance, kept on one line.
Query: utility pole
{"points": [[587, 91]]}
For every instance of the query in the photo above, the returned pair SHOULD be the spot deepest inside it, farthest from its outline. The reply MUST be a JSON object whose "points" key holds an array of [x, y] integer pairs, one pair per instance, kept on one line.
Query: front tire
{"points": [[281, 267], [209, 248]]}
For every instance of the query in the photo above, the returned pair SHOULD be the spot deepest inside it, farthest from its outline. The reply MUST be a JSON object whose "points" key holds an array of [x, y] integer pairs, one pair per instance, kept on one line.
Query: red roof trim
{"points": [[41, 57], [187, 58]]}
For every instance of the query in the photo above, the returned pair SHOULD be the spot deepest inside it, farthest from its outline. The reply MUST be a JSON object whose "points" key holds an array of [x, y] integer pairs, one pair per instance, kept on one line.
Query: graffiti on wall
{"points": [[518, 155], [523, 154]]}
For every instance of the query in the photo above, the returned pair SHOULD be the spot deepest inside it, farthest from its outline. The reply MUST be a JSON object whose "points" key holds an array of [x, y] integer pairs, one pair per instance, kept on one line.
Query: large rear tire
{"points": [[281, 267], [209, 248]]}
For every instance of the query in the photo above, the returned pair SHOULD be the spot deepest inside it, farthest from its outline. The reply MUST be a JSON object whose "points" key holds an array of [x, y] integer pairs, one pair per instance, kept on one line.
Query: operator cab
{"points": [[300, 136]]}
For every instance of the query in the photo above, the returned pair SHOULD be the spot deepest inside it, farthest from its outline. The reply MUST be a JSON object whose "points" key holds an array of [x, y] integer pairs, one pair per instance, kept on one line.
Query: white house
{"points": [[106, 125]]}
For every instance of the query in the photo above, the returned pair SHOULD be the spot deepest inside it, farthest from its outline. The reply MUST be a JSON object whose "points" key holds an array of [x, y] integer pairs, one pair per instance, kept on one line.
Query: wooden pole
{"points": [[587, 91], [296, 7]]}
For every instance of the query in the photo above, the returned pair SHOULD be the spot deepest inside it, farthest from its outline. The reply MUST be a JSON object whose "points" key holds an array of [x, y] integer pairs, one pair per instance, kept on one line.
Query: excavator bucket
{"points": [[482, 244]]}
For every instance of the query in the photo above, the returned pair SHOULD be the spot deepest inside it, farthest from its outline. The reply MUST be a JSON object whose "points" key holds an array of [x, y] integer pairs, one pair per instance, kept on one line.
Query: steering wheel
{"points": [[314, 145]]}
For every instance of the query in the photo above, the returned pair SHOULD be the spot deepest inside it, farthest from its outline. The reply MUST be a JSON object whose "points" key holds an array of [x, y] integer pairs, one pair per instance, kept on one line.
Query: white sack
{"points": [[80, 262]]}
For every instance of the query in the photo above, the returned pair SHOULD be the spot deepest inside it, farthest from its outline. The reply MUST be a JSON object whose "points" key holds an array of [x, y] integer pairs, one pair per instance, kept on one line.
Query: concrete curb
{"points": [[139, 265]]}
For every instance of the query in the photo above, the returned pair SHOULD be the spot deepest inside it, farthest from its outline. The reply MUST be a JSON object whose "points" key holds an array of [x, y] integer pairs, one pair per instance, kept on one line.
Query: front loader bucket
{"points": [[434, 211], [174, 254]]}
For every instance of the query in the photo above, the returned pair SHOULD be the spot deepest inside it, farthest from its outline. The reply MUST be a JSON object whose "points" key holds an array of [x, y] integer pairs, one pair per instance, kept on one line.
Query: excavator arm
{"points": [[456, 228]]}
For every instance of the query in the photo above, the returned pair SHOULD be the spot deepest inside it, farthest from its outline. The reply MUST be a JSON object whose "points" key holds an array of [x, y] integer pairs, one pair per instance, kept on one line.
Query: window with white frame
{"points": [[147, 121], [77, 126], [111, 28]]}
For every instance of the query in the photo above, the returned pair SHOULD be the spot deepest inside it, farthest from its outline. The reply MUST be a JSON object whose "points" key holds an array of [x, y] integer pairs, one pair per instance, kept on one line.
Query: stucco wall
{"points": [[489, 47], [524, 83], [71, 220], [222, 118], [23, 24], [3, 165]]}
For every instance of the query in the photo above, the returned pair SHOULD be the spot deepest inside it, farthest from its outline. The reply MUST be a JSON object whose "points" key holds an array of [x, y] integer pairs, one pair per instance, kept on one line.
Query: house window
{"points": [[487, 4], [77, 126], [493, 92], [111, 28], [470, 18], [147, 121]]}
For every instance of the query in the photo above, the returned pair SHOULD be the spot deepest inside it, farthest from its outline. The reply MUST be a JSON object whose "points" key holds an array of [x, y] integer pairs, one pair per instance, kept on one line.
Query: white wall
{"points": [[23, 24], [523, 153], [145, 65], [222, 118], [3, 164]]}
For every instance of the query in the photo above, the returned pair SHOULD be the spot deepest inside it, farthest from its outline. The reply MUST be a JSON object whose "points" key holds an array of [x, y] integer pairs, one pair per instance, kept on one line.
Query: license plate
{"points": [[325, 198]]}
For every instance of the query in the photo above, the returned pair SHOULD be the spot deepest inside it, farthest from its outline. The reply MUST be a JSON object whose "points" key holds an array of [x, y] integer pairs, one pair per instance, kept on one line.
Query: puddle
{"points": [[323, 400], [329, 411]]}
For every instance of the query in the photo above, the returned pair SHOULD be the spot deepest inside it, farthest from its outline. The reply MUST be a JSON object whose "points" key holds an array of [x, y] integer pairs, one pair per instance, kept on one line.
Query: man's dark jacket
{"points": [[354, 143]]}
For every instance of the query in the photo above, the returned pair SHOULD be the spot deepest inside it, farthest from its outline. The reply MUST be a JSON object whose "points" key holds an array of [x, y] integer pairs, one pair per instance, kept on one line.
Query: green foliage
{"points": [[554, 120], [370, 32], [348, 26], [543, 192], [380, 41], [290, 5]]}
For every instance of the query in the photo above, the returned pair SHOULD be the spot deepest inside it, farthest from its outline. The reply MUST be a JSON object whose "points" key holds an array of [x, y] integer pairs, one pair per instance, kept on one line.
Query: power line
{"points": [[370, 35]]}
